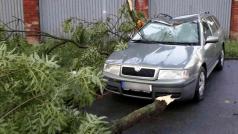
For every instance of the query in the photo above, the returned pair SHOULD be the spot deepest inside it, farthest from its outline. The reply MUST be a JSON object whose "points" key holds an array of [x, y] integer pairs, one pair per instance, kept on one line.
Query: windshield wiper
{"points": [[180, 43], [141, 41], [168, 43]]}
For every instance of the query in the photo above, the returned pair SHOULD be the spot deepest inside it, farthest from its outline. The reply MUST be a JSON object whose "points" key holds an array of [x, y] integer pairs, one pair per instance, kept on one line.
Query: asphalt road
{"points": [[217, 114]]}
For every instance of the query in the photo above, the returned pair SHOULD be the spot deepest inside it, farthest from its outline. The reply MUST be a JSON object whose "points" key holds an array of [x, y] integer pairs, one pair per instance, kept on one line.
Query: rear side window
{"points": [[206, 30], [212, 24], [216, 21]]}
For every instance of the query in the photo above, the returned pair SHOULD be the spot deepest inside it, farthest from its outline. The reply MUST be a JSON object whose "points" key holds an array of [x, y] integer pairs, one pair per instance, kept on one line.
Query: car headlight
{"points": [[173, 74], [111, 68]]}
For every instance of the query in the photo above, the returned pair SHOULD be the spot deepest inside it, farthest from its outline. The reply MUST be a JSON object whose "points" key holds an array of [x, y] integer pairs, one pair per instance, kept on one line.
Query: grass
{"points": [[231, 49]]}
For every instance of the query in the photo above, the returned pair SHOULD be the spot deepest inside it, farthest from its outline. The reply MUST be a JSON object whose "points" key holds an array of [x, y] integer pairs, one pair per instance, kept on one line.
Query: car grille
{"points": [[143, 72]]}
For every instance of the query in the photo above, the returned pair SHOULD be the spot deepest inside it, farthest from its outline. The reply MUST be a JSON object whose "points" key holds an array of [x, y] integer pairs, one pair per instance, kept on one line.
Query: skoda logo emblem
{"points": [[137, 69]]}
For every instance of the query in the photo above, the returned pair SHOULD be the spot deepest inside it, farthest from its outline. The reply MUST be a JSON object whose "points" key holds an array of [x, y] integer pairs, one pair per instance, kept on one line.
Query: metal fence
{"points": [[54, 12], [220, 8], [10, 11]]}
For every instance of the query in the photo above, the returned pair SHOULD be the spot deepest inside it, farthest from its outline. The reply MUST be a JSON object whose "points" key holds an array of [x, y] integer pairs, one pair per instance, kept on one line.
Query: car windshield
{"points": [[163, 33]]}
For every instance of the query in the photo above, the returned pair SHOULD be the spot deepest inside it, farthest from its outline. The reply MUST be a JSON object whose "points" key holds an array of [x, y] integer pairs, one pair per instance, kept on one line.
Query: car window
{"points": [[212, 24], [216, 22], [179, 33], [206, 30]]}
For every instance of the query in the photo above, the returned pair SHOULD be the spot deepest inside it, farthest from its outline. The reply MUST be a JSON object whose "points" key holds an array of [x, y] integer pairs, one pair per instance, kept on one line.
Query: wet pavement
{"points": [[217, 114]]}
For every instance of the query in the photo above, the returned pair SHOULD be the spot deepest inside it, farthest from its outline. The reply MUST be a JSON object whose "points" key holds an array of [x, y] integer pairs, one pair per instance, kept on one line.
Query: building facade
{"points": [[48, 15]]}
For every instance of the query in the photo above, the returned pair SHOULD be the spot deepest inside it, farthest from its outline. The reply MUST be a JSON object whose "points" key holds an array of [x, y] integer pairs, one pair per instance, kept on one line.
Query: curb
{"points": [[98, 97], [231, 58]]}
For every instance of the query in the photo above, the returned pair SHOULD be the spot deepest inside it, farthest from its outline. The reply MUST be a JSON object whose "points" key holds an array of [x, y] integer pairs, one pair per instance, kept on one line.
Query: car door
{"points": [[217, 33], [209, 48]]}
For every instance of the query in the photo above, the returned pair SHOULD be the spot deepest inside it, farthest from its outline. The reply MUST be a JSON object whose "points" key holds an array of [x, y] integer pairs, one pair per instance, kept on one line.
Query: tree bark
{"points": [[131, 119]]}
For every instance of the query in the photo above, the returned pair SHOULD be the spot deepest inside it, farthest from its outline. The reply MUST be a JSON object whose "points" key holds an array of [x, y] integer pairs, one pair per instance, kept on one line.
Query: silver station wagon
{"points": [[168, 56]]}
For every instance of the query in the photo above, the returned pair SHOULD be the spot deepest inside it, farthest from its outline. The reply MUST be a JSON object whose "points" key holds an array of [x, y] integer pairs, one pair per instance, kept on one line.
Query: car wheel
{"points": [[201, 86], [221, 61]]}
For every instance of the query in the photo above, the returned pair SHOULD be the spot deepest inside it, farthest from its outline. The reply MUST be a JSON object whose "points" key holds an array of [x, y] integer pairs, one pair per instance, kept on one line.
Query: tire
{"points": [[201, 86], [220, 64]]}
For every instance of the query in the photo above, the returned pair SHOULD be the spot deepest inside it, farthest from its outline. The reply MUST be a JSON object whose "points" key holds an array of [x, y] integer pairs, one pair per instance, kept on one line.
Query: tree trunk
{"points": [[131, 12], [131, 119]]}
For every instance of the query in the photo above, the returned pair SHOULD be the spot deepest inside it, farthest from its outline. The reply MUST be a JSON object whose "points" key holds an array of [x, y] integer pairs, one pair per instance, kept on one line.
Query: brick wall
{"points": [[143, 6], [234, 20], [31, 20]]}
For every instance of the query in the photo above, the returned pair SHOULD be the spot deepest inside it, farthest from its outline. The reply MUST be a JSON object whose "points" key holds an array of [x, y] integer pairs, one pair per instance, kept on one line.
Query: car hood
{"points": [[154, 55]]}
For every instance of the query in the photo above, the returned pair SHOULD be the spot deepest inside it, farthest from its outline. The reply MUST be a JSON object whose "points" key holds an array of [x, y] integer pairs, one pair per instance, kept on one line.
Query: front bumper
{"points": [[181, 90]]}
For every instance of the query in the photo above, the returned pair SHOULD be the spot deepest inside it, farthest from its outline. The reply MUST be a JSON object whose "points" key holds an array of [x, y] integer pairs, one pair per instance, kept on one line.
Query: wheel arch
{"points": [[223, 47], [204, 65]]}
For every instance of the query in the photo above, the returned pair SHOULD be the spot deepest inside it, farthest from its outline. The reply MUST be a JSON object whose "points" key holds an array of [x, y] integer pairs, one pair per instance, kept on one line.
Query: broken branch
{"points": [[131, 119]]}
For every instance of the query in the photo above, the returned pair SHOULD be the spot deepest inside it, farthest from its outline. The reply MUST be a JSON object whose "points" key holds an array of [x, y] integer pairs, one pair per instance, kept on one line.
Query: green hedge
{"points": [[231, 49]]}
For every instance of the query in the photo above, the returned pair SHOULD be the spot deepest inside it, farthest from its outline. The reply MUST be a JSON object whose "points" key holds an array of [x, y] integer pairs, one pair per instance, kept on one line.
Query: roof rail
{"points": [[206, 12], [166, 15], [163, 15]]}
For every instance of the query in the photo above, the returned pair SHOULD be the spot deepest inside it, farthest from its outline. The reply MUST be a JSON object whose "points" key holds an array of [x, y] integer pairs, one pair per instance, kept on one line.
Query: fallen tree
{"points": [[131, 119], [50, 112]]}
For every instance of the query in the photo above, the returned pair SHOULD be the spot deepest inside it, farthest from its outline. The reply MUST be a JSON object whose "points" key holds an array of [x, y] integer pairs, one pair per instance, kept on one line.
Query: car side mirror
{"points": [[212, 39]]}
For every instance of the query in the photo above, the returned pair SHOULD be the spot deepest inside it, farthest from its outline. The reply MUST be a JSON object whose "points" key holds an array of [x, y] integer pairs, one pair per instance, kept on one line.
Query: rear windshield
{"points": [[159, 32]]}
